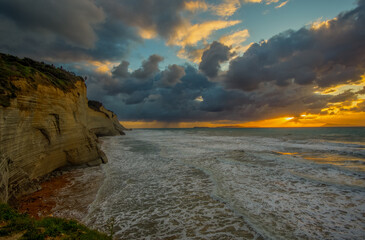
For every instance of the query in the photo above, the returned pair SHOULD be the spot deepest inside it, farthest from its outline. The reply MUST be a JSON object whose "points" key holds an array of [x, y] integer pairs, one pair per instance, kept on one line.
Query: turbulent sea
{"points": [[306, 183]]}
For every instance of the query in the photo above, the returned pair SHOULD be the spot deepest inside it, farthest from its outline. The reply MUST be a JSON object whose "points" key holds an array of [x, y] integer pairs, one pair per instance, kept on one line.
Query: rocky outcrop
{"points": [[103, 122], [44, 127]]}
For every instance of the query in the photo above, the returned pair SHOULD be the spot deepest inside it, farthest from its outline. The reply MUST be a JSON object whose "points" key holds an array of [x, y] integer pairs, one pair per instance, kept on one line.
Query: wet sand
{"points": [[65, 196]]}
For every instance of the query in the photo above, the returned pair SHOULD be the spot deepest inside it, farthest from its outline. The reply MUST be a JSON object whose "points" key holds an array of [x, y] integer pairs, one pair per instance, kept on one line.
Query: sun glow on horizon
{"points": [[344, 119]]}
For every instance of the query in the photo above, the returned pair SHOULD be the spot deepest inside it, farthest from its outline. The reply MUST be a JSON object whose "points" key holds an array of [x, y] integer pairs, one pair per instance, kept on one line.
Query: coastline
{"points": [[66, 194]]}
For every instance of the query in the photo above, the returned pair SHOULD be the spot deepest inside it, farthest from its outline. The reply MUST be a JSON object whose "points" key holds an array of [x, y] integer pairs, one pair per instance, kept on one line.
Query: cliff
{"points": [[45, 123]]}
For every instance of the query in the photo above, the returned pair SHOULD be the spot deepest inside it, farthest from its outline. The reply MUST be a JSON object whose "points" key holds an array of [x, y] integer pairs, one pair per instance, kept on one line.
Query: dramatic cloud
{"points": [[61, 18], [235, 38], [286, 75], [121, 71], [172, 75], [328, 55], [196, 5], [213, 57], [235, 41], [86, 29], [282, 76], [192, 34], [182, 93], [229, 7], [193, 53], [160, 16], [62, 31], [149, 67], [123, 81], [100, 30]]}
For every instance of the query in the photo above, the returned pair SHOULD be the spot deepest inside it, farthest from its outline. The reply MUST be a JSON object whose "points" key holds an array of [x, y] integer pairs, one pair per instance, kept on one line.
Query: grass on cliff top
{"points": [[21, 226], [13, 68]]}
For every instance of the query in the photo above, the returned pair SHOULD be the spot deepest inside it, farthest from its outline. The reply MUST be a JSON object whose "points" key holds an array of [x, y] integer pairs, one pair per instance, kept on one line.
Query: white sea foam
{"points": [[194, 184]]}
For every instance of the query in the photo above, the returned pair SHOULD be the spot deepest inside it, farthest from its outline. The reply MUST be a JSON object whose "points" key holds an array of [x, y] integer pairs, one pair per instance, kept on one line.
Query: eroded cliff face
{"points": [[45, 128], [103, 122]]}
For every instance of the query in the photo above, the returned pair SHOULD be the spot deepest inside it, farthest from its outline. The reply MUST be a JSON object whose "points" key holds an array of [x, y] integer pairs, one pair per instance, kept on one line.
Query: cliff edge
{"points": [[46, 122]]}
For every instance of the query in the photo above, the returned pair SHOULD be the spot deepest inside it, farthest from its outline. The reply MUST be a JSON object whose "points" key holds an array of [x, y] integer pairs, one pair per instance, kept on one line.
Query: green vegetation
{"points": [[13, 68], [12, 223]]}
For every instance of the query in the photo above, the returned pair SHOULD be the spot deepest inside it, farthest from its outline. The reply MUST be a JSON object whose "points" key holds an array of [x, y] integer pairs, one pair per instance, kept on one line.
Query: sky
{"points": [[207, 63]]}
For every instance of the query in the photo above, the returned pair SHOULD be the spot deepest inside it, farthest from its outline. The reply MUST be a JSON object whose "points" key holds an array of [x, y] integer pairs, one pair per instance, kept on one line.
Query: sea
{"points": [[225, 183]]}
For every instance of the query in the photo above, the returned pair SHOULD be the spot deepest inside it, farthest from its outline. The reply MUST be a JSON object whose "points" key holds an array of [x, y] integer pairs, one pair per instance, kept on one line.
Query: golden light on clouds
{"points": [[227, 8], [341, 88], [190, 35], [102, 67], [282, 4], [235, 40], [192, 55], [147, 33], [321, 24], [271, 1], [199, 99], [196, 5]]}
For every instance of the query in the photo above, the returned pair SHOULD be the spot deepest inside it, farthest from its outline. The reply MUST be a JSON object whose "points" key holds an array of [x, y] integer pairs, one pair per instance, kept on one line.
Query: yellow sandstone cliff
{"points": [[45, 125]]}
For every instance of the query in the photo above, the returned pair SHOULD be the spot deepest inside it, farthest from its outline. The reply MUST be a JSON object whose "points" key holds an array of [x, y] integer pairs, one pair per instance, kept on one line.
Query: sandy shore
{"points": [[65, 196]]}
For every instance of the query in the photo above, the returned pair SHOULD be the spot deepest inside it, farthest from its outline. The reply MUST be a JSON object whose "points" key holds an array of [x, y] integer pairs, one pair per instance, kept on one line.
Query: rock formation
{"points": [[46, 123]]}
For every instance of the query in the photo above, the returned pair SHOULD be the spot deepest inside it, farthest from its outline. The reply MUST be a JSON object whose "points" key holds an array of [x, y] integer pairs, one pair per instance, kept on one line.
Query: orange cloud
{"points": [[227, 8], [190, 35], [196, 5], [101, 67], [235, 40], [192, 55], [147, 33], [282, 4], [318, 24]]}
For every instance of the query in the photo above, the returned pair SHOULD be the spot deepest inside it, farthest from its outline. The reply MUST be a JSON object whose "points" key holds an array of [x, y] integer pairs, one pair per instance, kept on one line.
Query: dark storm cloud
{"points": [[63, 18], [211, 59], [162, 16], [121, 70], [62, 31], [195, 98], [84, 29], [332, 54], [149, 67], [217, 99], [273, 78], [167, 95], [122, 81], [172, 75]]}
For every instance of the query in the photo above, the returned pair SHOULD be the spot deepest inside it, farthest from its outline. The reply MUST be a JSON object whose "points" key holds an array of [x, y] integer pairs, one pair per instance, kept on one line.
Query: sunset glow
{"points": [[205, 63], [183, 119]]}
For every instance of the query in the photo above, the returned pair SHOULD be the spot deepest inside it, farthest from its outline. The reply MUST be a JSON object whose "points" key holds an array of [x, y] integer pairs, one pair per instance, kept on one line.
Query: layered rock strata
{"points": [[44, 126]]}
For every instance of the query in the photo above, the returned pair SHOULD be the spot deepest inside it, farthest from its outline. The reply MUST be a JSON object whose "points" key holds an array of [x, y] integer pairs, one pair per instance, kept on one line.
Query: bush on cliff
{"points": [[22, 226], [13, 68]]}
